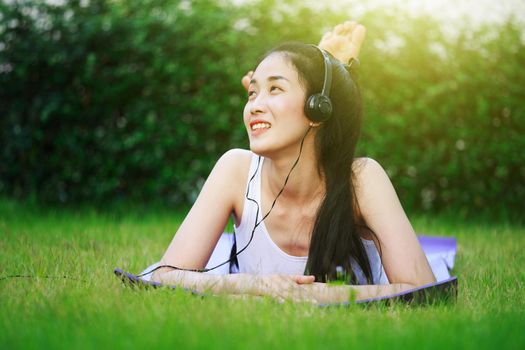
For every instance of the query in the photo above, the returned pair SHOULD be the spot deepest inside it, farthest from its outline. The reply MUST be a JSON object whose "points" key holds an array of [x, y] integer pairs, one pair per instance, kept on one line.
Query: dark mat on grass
{"points": [[438, 292]]}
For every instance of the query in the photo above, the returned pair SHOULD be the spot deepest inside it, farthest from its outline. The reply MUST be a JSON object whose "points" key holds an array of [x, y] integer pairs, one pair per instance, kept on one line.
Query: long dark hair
{"points": [[336, 239]]}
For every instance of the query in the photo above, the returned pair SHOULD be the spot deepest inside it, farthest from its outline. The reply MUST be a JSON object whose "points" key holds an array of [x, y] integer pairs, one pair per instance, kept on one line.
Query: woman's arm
{"points": [[221, 195], [281, 287], [403, 259], [402, 256], [325, 293]]}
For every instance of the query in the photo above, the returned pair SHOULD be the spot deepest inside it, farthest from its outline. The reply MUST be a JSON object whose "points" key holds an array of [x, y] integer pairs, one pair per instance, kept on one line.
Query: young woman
{"points": [[306, 211]]}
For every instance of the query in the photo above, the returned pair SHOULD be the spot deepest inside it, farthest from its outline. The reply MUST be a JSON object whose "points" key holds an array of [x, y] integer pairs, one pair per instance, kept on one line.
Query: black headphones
{"points": [[318, 107]]}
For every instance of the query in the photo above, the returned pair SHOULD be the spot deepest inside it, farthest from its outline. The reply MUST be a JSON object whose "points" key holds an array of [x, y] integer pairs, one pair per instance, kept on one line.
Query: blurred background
{"points": [[133, 101]]}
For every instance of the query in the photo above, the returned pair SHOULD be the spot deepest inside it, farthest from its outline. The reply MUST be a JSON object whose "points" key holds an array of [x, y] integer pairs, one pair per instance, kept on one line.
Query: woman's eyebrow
{"points": [[276, 77], [270, 78]]}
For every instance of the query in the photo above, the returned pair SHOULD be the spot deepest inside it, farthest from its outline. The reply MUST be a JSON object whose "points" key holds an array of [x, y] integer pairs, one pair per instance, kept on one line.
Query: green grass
{"points": [[101, 312]]}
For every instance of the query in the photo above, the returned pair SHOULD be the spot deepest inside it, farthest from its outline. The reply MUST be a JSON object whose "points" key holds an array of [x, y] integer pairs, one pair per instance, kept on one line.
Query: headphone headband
{"points": [[327, 84], [318, 107]]}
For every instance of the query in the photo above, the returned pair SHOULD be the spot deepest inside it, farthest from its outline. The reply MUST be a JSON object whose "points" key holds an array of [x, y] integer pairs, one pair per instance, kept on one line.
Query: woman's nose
{"points": [[255, 110], [258, 105]]}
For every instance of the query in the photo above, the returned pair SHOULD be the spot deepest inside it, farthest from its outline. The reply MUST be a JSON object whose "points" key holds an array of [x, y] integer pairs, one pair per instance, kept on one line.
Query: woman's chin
{"points": [[261, 149]]}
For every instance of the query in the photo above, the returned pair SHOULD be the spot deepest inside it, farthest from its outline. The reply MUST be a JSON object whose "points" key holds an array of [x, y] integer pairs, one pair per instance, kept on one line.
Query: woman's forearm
{"points": [[278, 286], [324, 293], [214, 284], [281, 287]]}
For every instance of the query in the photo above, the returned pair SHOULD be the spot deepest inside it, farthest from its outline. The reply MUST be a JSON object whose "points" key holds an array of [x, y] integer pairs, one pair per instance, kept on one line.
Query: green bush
{"points": [[131, 100], [135, 100], [447, 115]]}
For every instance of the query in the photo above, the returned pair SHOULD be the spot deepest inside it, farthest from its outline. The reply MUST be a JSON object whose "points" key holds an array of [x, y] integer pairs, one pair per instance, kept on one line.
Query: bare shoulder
{"points": [[366, 172], [362, 162], [233, 168], [235, 162], [373, 188], [236, 156]]}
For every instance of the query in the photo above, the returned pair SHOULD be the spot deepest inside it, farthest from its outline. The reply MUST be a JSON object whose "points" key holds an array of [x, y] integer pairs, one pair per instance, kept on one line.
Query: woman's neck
{"points": [[305, 181]]}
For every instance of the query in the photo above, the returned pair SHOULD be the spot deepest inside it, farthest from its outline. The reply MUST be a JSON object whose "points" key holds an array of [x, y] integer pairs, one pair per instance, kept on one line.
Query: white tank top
{"points": [[263, 256]]}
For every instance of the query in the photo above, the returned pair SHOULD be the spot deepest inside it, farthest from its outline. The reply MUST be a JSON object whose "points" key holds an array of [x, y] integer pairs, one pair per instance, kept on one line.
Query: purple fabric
{"points": [[440, 253], [439, 245]]}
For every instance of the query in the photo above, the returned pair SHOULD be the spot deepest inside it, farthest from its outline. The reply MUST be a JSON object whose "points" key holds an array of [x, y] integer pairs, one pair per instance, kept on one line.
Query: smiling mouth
{"points": [[259, 125]]}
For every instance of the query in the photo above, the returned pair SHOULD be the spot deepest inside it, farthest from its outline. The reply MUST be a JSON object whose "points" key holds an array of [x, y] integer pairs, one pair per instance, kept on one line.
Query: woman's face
{"points": [[274, 114]]}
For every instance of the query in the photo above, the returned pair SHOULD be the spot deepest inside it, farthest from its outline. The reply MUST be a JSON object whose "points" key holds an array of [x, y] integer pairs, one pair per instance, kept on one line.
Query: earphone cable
{"points": [[43, 277], [257, 223]]}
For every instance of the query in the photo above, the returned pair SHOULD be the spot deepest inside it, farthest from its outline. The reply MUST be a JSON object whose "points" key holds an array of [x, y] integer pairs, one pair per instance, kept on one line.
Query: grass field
{"points": [[98, 311]]}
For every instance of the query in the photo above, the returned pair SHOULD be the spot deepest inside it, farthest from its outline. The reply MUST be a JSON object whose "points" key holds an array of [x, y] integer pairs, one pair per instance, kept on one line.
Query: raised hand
{"points": [[343, 42]]}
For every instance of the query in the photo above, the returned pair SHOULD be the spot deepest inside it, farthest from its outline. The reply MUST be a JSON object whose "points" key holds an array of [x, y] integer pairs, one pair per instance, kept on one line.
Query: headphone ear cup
{"points": [[318, 108]]}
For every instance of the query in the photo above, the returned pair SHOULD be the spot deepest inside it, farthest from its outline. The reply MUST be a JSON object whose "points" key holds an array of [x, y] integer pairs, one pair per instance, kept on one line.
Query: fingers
{"points": [[348, 27], [246, 80], [345, 28], [299, 279], [296, 288], [344, 41], [339, 29], [358, 37]]}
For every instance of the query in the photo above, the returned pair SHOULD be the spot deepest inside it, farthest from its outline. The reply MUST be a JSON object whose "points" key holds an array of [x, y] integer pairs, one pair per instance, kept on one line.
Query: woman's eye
{"points": [[275, 88], [251, 93]]}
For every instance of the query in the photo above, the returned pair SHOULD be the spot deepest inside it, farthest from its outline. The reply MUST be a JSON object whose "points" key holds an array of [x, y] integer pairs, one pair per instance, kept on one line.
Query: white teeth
{"points": [[261, 126]]}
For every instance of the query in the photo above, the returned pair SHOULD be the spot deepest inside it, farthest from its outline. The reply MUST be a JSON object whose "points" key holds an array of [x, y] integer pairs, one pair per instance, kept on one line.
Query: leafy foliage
{"points": [[135, 100], [446, 115]]}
